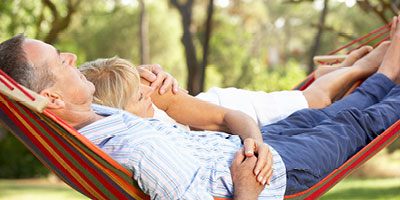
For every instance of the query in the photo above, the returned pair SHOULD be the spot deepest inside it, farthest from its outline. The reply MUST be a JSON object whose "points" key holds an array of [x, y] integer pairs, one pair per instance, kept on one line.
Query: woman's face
{"points": [[140, 103]]}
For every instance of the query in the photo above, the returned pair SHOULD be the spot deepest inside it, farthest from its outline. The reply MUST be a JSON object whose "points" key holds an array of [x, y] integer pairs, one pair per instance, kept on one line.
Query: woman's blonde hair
{"points": [[115, 80]]}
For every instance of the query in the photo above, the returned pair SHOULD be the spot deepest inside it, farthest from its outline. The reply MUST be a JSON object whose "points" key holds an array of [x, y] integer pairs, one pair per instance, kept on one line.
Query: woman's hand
{"points": [[158, 77], [263, 169]]}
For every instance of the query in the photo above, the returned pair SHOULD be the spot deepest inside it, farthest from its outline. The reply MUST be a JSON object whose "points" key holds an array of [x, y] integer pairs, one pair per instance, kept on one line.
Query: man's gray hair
{"points": [[14, 63]]}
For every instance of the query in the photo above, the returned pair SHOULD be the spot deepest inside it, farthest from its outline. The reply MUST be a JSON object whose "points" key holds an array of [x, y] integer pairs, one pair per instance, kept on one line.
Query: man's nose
{"points": [[70, 58]]}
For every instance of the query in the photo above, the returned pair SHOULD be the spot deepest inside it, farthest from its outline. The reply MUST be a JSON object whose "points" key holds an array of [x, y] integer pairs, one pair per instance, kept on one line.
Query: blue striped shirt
{"points": [[171, 163]]}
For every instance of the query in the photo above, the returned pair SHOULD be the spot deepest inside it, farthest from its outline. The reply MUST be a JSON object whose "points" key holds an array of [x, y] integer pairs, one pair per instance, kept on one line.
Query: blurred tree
{"points": [[43, 20], [144, 34], [58, 22], [107, 28], [16, 161], [317, 40], [383, 9], [196, 69]]}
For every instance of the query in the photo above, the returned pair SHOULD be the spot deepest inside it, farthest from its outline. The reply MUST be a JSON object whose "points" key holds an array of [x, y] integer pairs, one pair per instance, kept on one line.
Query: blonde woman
{"points": [[118, 85]]}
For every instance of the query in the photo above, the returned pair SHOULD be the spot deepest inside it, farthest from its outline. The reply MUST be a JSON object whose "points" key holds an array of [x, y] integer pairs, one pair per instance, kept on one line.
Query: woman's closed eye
{"points": [[140, 97]]}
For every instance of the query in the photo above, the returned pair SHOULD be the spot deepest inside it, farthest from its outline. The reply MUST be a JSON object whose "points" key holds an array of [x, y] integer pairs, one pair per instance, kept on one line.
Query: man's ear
{"points": [[55, 99]]}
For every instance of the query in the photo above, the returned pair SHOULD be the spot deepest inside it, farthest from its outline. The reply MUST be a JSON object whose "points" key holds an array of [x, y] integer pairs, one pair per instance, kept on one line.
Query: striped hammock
{"points": [[87, 169]]}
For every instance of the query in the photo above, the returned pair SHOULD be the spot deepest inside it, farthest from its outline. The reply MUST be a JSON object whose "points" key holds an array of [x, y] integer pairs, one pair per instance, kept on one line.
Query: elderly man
{"points": [[170, 163]]}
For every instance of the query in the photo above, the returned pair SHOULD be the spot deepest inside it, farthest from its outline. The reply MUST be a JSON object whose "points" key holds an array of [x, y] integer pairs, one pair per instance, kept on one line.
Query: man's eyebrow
{"points": [[58, 51]]}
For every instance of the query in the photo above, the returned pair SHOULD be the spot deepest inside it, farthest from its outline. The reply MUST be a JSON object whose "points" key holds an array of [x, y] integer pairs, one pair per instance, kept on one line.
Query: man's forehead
{"points": [[37, 51], [32, 44]]}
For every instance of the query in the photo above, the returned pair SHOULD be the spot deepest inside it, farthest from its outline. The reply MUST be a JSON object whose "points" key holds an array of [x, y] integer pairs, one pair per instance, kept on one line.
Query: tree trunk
{"points": [[193, 84], [317, 40], [59, 23], [207, 36], [144, 35], [196, 70]]}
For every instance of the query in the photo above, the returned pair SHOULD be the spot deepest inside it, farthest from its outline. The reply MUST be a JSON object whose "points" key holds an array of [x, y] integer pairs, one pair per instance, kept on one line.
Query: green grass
{"points": [[36, 189], [41, 189], [365, 189]]}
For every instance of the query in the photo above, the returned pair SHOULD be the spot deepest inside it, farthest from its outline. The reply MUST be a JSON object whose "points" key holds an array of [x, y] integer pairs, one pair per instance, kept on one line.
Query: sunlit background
{"points": [[253, 44]]}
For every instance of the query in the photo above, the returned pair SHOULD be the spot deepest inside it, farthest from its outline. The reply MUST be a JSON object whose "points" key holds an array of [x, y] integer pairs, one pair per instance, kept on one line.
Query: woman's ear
{"points": [[55, 99]]}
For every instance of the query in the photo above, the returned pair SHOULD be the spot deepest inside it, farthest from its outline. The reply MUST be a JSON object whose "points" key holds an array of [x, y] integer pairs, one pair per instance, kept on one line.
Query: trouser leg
{"points": [[370, 92], [311, 153]]}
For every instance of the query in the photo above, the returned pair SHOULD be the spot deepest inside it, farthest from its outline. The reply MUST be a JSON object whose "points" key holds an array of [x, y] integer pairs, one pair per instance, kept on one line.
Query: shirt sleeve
{"points": [[163, 172]]}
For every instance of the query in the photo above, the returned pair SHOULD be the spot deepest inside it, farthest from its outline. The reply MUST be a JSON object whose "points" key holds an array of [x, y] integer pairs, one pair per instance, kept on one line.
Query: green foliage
{"points": [[106, 30], [229, 51], [394, 146], [262, 77], [278, 79], [16, 161], [18, 17]]}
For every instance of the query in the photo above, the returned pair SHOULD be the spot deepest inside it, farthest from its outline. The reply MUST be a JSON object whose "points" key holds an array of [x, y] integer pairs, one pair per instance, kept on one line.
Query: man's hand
{"points": [[263, 169], [245, 184], [158, 77]]}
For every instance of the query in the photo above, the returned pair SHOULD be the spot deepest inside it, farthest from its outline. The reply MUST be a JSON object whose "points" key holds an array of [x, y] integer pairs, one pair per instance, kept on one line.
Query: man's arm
{"points": [[202, 115]]}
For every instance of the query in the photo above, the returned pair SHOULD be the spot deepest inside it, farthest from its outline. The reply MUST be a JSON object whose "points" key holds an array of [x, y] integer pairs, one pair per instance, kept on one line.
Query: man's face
{"points": [[70, 84]]}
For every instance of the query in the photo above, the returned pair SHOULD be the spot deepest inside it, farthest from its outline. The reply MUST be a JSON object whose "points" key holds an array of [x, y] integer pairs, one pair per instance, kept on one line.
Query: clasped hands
{"points": [[251, 169], [158, 78]]}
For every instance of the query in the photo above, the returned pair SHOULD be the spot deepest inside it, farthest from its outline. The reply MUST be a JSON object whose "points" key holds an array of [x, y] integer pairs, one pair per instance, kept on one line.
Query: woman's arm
{"points": [[199, 114], [203, 115]]}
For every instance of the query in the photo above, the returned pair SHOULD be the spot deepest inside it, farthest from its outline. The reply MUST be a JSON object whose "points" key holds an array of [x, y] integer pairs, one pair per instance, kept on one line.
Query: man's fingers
{"points": [[159, 80], [183, 90], [266, 171], [167, 84], [146, 74], [250, 161], [238, 159], [175, 86], [249, 146], [262, 151], [269, 172]]}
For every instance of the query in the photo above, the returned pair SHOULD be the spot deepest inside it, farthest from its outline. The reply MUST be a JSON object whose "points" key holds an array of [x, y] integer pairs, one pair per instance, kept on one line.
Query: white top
{"points": [[264, 108], [163, 116]]}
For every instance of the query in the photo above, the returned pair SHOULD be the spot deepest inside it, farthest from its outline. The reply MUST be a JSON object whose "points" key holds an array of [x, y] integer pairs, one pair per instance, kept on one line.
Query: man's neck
{"points": [[77, 118], [88, 121]]}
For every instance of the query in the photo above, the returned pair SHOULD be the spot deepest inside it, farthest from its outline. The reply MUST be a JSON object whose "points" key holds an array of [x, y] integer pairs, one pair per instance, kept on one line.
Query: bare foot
{"points": [[349, 61], [356, 55], [320, 94], [370, 63], [391, 62]]}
